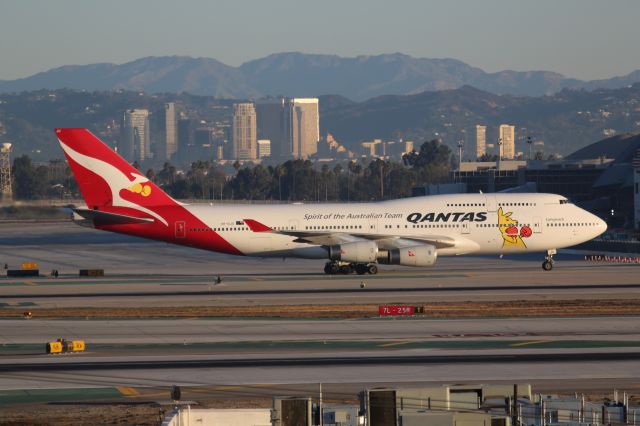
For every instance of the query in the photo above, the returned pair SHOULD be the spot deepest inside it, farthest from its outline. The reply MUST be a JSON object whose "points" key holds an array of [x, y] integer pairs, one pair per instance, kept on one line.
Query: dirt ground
{"points": [[526, 308], [82, 414], [144, 414]]}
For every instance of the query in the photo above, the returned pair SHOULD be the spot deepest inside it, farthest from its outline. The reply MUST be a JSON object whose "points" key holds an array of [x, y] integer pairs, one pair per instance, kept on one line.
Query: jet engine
{"points": [[422, 255], [357, 252]]}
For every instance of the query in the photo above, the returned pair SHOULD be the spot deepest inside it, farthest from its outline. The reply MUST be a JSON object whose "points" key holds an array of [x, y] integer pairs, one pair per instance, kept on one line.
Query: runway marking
{"points": [[533, 342], [257, 279], [149, 395], [29, 283], [128, 391], [386, 345]]}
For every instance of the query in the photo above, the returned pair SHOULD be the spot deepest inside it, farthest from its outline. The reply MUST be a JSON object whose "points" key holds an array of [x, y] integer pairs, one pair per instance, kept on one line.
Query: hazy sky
{"points": [[586, 39]]}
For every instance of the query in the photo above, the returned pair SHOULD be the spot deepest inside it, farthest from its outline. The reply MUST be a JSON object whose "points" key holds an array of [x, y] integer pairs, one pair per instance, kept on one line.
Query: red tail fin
{"points": [[105, 179]]}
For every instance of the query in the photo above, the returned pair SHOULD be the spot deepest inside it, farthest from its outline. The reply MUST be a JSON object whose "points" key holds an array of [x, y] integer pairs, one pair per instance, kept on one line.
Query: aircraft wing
{"points": [[385, 241]]}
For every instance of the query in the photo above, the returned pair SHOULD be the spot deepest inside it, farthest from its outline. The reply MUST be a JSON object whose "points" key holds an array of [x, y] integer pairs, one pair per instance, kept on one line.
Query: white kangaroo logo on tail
{"points": [[115, 178]]}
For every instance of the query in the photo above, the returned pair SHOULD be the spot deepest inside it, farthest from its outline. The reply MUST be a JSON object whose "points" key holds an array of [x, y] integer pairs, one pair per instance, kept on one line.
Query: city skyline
{"points": [[494, 35]]}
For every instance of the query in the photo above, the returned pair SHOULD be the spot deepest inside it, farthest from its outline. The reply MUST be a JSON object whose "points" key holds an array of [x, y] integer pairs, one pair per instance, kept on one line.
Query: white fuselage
{"points": [[476, 223]]}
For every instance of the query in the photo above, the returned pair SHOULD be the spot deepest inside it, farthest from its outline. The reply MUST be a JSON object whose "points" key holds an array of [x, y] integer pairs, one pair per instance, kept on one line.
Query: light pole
{"points": [[499, 152], [529, 142]]}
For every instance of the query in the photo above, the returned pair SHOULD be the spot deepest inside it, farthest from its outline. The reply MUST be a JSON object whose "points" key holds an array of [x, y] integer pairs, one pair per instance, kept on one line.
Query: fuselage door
{"points": [[537, 225], [293, 225], [490, 201], [181, 229], [464, 228], [373, 226]]}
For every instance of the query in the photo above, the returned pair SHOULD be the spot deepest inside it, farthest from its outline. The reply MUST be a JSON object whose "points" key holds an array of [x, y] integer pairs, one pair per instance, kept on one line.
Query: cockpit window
{"points": [[564, 201]]}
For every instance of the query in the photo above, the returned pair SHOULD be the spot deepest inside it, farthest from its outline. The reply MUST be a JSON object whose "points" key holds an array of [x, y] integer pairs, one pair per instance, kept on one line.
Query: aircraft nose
{"points": [[601, 225]]}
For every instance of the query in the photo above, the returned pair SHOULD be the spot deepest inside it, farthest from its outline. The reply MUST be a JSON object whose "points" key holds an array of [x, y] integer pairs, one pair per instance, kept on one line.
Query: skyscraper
{"points": [[244, 131], [481, 141], [270, 125], [136, 144], [171, 130], [508, 139], [302, 122], [185, 135]]}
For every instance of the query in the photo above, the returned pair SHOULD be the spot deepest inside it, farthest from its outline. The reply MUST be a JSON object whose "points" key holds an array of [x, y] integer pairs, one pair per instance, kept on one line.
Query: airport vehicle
{"points": [[353, 237]]}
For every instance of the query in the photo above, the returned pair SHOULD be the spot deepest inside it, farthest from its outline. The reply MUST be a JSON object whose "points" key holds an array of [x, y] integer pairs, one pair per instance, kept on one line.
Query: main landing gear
{"points": [[332, 268], [547, 265]]}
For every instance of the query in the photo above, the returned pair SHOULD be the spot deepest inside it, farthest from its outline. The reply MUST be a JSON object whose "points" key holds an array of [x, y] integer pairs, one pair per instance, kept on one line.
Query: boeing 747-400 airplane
{"points": [[352, 237]]}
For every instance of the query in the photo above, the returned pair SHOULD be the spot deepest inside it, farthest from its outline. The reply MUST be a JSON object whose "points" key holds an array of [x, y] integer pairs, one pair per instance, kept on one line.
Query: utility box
{"points": [[91, 272], [23, 272], [381, 407], [444, 419], [291, 411], [340, 415]]}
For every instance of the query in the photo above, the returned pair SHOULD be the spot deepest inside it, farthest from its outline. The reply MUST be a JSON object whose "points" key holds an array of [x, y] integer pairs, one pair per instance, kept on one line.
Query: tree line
{"points": [[293, 180]]}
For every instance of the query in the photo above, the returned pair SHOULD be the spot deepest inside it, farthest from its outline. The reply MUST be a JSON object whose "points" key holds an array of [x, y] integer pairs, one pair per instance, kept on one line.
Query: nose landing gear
{"points": [[547, 265]]}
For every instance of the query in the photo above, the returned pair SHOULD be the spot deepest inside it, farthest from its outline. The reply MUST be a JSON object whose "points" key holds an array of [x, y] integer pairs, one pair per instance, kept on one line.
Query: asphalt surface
{"points": [[191, 331], [205, 352]]}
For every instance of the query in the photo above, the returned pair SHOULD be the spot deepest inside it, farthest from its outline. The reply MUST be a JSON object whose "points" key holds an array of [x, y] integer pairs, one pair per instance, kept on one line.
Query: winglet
{"points": [[256, 226]]}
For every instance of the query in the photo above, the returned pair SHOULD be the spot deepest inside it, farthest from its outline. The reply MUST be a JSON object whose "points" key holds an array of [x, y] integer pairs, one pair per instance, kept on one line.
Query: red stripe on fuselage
{"points": [[206, 240]]}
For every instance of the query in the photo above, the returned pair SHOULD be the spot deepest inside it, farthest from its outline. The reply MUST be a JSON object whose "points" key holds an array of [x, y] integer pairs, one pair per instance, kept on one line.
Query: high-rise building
{"points": [[264, 148], [302, 123], [481, 141], [270, 125], [408, 147], [6, 193], [136, 143], [374, 148], [185, 134], [244, 131], [171, 130], [508, 141]]}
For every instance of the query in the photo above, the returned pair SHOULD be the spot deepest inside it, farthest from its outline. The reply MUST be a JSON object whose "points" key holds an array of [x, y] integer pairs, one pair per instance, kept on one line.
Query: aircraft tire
{"points": [[547, 265], [372, 268], [361, 269]]}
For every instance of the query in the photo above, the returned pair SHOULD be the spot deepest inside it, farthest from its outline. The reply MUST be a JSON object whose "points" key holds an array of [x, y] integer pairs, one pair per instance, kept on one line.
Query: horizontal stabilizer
{"points": [[106, 218]]}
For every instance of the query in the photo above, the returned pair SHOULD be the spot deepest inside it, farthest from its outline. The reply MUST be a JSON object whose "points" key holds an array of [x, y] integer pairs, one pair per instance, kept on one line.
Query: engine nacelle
{"points": [[422, 255], [358, 252]]}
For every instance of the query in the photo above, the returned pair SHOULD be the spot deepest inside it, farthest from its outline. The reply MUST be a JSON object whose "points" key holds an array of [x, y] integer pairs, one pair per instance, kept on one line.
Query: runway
{"points": [[578, 353], [203, 330]]}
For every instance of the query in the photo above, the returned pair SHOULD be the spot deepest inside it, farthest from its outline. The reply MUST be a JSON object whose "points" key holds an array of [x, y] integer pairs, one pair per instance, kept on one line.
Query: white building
{"points": [[481, 141], [508, 141], [136, 143], [244, 132], [302, 123], [264, 148], [171, 130]]}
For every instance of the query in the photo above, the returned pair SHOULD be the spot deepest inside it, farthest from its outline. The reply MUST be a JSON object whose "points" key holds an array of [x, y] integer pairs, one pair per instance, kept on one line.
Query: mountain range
{"points": [[298, 75]]}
